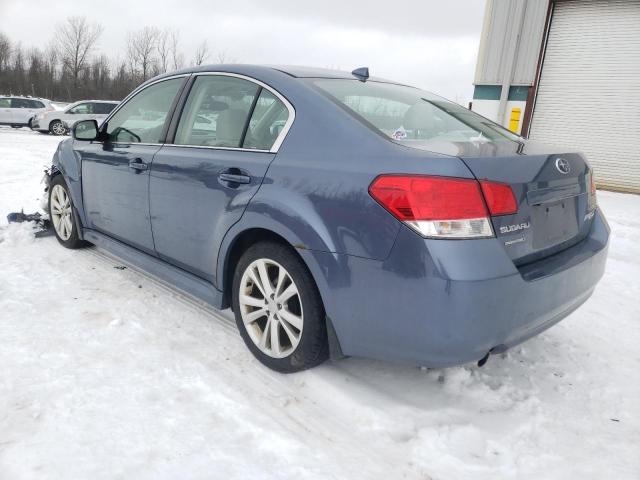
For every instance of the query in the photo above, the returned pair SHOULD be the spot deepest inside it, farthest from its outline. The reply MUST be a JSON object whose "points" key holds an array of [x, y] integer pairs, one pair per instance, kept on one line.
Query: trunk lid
{"points": [[551, 187]]}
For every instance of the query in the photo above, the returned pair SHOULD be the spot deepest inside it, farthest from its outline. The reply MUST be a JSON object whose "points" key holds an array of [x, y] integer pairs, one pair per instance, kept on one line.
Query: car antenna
{"points": [[361, 73]]}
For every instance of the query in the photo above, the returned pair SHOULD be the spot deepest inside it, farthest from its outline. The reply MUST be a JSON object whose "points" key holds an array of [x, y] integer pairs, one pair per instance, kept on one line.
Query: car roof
{"points": [[25, 97], [70, 105], [96, 101], [296, 71]]}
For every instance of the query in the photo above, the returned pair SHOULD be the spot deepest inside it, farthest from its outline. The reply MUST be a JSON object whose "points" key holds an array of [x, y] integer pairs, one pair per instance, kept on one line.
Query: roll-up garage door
{"points": [[588, 94]]}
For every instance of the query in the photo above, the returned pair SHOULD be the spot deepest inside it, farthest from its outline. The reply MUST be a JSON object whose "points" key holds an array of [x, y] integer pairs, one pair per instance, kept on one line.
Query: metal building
{"points": [[566, 72]]}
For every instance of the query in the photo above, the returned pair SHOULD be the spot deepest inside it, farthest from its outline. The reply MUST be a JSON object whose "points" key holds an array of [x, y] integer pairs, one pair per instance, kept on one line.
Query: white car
{"points": [[60, 122], [19, 111]]}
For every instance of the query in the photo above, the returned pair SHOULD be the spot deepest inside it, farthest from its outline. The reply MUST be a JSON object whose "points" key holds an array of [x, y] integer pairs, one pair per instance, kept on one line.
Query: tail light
{"points": [[443, 207], [592, 202]]}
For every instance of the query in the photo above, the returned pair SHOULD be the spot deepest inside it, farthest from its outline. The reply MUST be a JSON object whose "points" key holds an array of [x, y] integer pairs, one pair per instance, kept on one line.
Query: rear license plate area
{"points": [[554, 223]]}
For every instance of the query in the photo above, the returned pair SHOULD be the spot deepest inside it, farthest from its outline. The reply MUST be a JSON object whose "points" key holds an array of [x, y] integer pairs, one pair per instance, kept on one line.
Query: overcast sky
{"points": [[432, 44]]}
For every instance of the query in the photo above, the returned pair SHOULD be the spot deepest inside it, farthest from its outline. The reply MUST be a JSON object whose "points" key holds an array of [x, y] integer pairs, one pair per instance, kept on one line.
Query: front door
{"points": [[6, 114], [202, 181], [115, 172]]}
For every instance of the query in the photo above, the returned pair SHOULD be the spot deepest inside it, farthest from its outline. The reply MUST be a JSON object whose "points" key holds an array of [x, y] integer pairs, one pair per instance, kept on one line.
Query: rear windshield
{"points": [[411, 116]]}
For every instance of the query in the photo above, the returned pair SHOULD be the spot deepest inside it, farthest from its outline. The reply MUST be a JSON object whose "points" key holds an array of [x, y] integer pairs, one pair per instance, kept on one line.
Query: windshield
{"points": [[411, 116]]}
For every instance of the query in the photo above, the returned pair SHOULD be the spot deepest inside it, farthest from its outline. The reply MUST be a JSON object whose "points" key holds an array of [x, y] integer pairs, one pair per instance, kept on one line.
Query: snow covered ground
{"points": [[107, 373]]}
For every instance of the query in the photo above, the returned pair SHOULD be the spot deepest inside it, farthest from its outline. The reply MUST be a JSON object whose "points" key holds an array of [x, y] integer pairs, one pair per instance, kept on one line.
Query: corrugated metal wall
{"points": [[589, 89], [499, 33]]}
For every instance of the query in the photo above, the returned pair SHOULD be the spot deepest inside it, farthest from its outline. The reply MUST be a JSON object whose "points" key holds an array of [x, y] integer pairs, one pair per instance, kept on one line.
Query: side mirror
{"points": [[85, 130]]}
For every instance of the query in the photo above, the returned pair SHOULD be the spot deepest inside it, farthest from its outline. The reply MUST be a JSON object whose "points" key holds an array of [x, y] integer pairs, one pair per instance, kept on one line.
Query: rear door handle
{"points": [[234, 178], [138, 165]]}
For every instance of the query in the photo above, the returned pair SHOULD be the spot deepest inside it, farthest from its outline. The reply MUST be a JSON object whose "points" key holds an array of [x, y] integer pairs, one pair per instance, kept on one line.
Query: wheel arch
{"points": [[65, 162], [235, 246]]}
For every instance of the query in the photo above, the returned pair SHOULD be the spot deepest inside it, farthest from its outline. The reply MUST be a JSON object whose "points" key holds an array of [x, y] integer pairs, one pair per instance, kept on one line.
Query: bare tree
{"points": [[177, 58], [163, 47], [141, 49], [76, 37], [223, 57], [5, 51], [202, 53]]}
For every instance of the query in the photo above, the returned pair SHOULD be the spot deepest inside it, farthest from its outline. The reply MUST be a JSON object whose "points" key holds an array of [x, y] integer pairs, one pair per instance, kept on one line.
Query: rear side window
{"points": [[216, 112], [20, 103], [37, 104], [411, 116], [142, 118], [103, 108], [269, 117]]}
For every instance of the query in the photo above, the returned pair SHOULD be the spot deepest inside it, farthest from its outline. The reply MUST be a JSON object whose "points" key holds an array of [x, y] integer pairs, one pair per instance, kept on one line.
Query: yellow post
{"points": [[514, 121]]}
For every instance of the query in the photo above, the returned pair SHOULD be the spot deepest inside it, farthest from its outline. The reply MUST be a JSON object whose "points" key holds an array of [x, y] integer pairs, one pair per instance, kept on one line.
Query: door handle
{"points": [[234, 178], [138, 165]]}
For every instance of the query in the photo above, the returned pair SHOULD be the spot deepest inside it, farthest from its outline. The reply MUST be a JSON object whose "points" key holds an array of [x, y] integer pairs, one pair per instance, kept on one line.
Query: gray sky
{"points": [[430, 44]]}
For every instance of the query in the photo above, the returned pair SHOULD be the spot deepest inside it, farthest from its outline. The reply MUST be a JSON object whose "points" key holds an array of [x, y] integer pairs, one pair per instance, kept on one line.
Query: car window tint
{"points": [[36, 104], [142, 118], [5, 103], [267, 121], [19, 103], [82, 109], [103, 108], [216, 111]]}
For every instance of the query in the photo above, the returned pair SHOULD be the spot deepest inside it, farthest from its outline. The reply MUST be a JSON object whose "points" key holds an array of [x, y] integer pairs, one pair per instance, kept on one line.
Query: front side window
{"points": [[82, 109], [411, 116], [216, 112], [5, 103], [142, 118]]}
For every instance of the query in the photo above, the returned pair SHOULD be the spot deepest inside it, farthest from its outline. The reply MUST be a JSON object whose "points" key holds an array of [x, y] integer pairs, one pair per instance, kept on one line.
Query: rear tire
{"points": [[57, 128], [278, 309], [62, 216]]}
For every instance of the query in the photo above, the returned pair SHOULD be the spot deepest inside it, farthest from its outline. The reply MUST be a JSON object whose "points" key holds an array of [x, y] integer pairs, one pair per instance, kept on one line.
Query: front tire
{"points": [[63, 220], [278, 309]]}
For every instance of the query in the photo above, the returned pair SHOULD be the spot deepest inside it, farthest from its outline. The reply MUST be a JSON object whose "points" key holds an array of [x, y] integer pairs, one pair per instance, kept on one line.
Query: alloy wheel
{"points": [[61, 212], [271, 308], [58, 128]]}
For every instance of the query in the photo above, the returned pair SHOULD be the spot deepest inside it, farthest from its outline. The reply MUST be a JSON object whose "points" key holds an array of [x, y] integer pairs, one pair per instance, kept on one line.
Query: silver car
{"points": [[60, 122], [19, 111]]}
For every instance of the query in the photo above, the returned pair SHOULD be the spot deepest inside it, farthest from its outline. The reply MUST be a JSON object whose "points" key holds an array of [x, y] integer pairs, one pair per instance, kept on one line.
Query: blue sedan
{"points": [[337, 214]]}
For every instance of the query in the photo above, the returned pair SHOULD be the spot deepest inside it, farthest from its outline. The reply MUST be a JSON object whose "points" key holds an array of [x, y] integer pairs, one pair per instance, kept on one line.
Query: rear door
{"points": [[115, 172], [101, 110], [202, 181], [22, 109]]}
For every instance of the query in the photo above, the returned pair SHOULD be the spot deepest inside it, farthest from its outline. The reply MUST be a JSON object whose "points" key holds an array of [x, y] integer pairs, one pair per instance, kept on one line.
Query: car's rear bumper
{"points": [[440, 303]]}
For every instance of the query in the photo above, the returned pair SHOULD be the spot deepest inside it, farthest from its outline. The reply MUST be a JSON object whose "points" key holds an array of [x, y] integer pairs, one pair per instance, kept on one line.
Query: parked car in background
{"points": [[60, 105], [19, 111], [59, 122], [336, 213]]}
